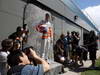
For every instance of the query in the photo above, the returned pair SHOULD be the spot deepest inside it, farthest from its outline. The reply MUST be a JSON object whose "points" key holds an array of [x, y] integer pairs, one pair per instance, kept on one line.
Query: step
{"points": [[55, 68]]}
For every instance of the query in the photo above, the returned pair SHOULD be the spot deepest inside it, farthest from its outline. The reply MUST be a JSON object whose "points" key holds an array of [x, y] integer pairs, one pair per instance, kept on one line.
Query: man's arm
{"points": [[39, 60]]}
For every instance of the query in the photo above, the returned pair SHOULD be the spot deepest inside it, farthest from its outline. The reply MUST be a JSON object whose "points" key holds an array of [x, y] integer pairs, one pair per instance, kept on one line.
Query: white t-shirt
{"points": [[3, 56]]}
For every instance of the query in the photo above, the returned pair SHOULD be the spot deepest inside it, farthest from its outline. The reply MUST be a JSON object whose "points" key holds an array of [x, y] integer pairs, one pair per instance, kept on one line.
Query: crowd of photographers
{"points": [[67, 49], [16, 60]]}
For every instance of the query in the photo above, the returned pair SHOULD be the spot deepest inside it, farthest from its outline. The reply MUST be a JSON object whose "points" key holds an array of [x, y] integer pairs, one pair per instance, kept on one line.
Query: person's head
{"points": [[25, 26], [16, 45], [19, 29], [92, 33], [17, 58], [73, 33], [62, 36], [47, 16], [77, 34], [7, 44], [68, 33]]}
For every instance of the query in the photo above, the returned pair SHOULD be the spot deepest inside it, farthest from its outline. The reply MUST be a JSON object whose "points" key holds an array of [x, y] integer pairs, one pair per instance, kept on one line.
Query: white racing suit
{"points": [[47, 38]]}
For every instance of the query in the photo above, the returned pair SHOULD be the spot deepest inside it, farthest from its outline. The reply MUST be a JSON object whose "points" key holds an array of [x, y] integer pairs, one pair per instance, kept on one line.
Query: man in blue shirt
{"points": [[20, 64]]}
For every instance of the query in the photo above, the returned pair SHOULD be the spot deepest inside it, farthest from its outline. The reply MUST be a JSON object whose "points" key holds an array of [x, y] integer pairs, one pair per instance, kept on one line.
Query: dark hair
{"points": [[73, 32], [13, 58], [7, 43], [15, 45], [19, 28], [24, 26], [92, 35], [77, 34], [47, 15], [68, 32], [62, 36]]}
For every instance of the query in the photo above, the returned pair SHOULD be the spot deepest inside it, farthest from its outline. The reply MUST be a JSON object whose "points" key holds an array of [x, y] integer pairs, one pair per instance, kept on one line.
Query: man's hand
{"points": [[33, 53], [39, 60]]}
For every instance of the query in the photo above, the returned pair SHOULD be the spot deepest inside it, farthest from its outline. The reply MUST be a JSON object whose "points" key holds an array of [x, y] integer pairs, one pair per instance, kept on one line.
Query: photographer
{"points": [[20, 64], [6, 45]]}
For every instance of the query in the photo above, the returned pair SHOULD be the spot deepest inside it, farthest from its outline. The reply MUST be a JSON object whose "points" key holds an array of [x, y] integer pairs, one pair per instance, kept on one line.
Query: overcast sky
{"points": [[90, 8]]}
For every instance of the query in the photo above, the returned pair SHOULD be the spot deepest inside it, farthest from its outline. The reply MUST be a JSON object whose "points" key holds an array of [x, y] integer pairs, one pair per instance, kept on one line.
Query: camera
{"points": [[26, 50]]}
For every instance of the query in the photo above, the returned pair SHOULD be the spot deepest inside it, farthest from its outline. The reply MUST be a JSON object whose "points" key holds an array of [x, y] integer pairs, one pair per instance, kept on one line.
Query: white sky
{"points": [[94, 13]]}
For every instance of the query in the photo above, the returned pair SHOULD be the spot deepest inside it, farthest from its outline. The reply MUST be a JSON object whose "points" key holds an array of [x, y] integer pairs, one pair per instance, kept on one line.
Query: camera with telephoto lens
{"points": [[26, 50]]}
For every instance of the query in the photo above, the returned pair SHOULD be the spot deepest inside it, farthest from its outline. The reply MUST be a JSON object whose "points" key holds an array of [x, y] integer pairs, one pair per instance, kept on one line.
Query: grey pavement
{"points": [[77, 71]]}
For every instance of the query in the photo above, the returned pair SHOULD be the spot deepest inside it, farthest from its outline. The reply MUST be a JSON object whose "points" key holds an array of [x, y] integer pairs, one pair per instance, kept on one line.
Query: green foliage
{"points": [[93, 72]]}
